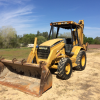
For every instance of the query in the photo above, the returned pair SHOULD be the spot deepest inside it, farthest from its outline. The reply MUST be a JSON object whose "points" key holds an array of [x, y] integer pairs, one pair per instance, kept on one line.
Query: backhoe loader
{"points": [[33, 76]]}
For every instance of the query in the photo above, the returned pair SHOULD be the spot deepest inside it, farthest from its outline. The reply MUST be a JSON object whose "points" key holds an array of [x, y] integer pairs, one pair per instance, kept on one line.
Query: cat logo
{"points": [[44, 48]]}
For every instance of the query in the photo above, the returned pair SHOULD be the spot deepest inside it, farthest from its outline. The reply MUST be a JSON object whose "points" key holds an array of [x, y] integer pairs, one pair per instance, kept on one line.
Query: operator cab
{"points": [[69, 42]]}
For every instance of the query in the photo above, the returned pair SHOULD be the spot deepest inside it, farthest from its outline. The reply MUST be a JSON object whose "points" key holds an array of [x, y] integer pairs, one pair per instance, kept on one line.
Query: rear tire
{"points": [[64, 68], [81, 60]]}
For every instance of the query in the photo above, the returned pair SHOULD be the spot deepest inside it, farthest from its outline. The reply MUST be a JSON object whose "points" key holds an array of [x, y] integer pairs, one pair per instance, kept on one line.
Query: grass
{"points": [[19, 53]]}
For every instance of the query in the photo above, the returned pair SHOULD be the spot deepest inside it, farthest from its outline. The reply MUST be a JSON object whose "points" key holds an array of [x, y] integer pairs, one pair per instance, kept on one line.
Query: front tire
{"points": [[64, 68]]}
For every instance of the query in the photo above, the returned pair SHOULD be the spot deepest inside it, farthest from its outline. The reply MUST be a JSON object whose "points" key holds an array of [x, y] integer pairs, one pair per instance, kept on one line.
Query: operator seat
{"points": [[68, 45]]}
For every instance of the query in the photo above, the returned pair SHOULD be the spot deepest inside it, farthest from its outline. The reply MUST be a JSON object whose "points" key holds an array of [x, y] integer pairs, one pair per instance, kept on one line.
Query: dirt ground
{"points": [[83, 85]]}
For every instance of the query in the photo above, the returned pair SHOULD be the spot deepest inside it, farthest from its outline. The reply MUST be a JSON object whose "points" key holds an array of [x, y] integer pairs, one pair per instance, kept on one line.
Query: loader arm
{"points": [[33, 52]]}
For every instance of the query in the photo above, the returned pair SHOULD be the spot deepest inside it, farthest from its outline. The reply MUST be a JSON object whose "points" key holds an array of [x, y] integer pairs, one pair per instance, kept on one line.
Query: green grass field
{"points": [[19, 53]]}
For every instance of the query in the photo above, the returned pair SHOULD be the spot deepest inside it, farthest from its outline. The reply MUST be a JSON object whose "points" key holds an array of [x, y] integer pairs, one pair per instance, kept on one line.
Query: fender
{"points": [[76, 50]]}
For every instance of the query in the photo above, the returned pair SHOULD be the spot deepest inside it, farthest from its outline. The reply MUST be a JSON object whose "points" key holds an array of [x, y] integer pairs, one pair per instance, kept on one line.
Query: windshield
{"points": [[56, 32], [63, 33]]}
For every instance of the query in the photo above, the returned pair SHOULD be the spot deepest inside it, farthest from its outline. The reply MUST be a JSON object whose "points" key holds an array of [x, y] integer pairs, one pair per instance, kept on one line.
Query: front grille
{"points": [[43, 53]]}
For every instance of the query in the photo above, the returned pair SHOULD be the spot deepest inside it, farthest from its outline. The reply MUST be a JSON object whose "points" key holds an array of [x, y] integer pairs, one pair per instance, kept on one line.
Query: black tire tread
{"points": [[61, 68], [78, 60]]}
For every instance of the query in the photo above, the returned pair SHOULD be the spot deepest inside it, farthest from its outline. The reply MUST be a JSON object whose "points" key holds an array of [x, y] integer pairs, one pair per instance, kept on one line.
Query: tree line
{"points": [[10, 39], [90, 40]]}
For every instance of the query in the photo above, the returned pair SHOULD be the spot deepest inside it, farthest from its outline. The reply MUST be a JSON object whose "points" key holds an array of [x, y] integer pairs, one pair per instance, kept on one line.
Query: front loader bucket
{"points": [[30, 78]]}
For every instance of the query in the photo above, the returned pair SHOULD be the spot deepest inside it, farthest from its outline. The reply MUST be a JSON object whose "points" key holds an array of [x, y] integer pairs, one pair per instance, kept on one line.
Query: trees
{"points": [[8, 37], [84, 39], [40, 39], [20, 38], [97, 40], [1, 41], [65, 35], [28, 38], [38, 33], [90, 40], [45, 34]]}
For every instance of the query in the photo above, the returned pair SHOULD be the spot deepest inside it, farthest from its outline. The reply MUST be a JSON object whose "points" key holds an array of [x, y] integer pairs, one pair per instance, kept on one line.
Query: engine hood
{"points": [[50, 42]]}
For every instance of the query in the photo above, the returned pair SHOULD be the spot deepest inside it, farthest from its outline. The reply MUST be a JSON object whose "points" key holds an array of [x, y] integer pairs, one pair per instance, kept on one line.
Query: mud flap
{"points": [[30, 78]]}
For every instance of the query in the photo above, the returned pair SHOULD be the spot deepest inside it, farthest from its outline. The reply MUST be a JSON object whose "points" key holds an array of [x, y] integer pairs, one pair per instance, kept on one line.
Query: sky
{"points": [[29, 16]]}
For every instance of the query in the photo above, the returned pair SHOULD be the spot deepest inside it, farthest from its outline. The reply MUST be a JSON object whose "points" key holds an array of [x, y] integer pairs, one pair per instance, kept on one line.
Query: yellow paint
{"points": [[54, 66], [50, 42], [59, 23], [58, 51], [74, 64], [54, 51], [32, 53], [83, 60], [64, 23], [67, 68], [76, 49]]}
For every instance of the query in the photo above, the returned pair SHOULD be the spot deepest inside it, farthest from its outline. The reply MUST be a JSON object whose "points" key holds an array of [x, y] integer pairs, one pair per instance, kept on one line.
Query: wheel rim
{"points": [[67, 68], [83, 60]]}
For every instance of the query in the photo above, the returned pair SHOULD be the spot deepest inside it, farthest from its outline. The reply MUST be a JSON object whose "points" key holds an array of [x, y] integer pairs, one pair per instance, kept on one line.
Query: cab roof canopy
{"points": [[65, 24]]}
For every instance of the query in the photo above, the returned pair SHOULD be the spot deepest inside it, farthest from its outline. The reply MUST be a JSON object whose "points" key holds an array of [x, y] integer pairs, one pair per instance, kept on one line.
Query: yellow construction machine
{"points": [[33, 76]]}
